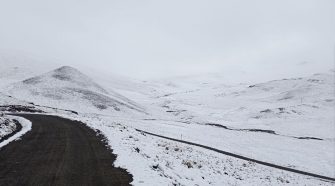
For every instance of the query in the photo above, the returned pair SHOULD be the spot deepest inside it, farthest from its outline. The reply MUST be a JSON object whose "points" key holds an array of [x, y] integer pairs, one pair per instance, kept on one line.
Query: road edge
{"points": [[25, 126]]}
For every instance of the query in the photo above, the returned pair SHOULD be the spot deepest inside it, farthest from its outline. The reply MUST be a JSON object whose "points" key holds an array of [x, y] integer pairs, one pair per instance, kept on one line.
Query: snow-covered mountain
{"points": [[68, 88], [291, 118]]}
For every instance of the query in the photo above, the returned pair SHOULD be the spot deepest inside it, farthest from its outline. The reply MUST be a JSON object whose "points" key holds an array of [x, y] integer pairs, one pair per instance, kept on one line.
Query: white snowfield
{"points": [[291, 118], [155, 161], [285, 122]]}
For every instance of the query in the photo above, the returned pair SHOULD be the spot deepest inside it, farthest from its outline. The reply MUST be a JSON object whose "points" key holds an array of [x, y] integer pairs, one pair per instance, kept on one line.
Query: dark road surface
{"points": [[58, 151]]}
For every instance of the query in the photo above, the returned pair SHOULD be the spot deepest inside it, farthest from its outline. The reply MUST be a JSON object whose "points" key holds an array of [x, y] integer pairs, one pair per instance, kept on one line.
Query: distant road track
{"points": [[59, 151], [326, 178]]}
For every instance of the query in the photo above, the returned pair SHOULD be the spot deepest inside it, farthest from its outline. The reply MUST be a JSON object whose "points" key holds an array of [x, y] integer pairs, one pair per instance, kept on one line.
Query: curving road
{"points": [[59, 151]]}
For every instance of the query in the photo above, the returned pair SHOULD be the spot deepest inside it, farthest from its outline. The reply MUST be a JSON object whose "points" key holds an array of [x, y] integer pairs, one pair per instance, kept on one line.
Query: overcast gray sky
{"points": [[146, 39]]}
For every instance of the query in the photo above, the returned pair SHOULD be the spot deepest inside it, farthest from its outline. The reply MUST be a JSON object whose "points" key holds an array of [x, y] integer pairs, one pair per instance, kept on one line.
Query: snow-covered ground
{"points": [[7, 126], [291, 118], [25, 124], [155, 161], [286, 122]]}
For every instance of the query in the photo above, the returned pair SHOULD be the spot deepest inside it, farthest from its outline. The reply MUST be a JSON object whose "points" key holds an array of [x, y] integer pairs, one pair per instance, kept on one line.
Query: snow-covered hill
{"points": [[67, 88], [297, 106], [292, 118]]}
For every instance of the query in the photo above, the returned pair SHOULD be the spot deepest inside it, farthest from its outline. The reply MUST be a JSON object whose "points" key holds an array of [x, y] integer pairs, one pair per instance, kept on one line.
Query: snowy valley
{"points": [[291, 118]]}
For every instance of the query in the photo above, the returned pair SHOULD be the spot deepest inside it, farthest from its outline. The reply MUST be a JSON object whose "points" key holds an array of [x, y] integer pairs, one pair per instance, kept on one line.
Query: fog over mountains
{"points": [[181, 92], [264, 39]]}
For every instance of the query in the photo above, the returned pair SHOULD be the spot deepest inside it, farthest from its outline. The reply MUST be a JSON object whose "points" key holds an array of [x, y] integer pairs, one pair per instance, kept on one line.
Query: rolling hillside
{"points": [[68, 88]]}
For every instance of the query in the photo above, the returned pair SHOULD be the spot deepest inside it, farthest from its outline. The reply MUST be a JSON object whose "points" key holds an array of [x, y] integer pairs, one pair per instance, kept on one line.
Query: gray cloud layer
{"points": [[164, 38]]}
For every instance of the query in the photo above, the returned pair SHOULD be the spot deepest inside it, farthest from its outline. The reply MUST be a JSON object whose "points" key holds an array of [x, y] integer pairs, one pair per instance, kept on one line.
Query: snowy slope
{"points": [[68, 88], [156, 161], [291, 118], [272, 105]]}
